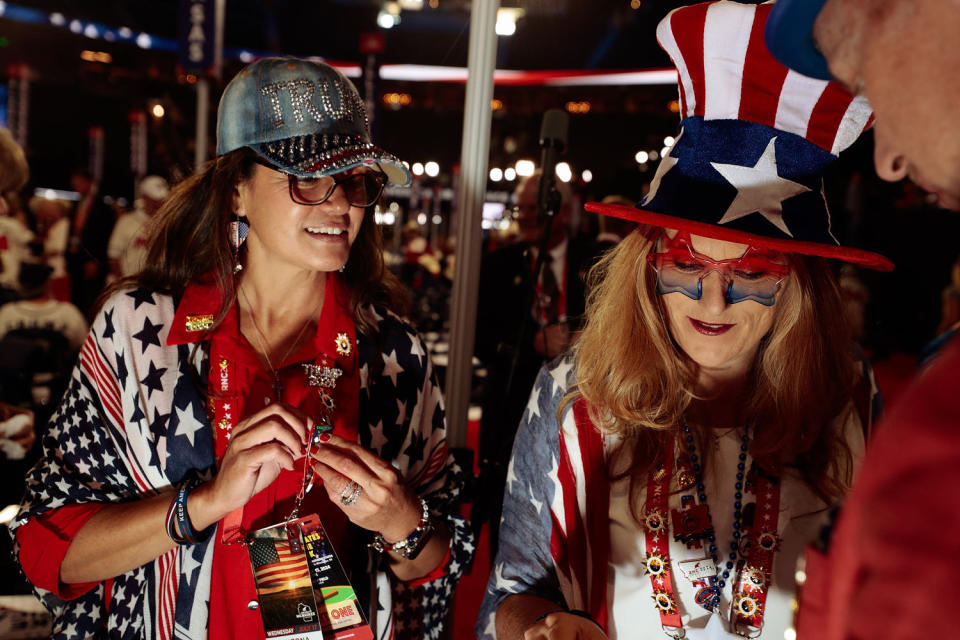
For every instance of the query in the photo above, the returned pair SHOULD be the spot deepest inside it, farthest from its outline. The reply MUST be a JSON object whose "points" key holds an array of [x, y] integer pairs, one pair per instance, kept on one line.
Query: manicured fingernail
{"points": [[324, 437]]}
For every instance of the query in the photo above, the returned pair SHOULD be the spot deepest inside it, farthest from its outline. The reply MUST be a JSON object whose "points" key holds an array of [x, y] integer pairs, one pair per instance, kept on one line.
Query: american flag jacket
{"points": [[133, 423], [543, 548], [555, 529]]}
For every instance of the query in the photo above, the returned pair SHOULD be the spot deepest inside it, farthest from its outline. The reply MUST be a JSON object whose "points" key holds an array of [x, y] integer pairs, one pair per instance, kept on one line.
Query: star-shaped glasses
{"points": [[756, 275]]}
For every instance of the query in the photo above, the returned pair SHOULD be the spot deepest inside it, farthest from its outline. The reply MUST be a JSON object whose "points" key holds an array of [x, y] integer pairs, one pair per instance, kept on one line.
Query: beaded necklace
{"points": [[718, 583], [755, 547]]}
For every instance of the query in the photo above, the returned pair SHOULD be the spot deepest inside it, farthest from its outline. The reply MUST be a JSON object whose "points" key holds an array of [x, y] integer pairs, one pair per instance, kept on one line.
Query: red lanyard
{"points": [[657, 533], [753, 580], [539, 309]]}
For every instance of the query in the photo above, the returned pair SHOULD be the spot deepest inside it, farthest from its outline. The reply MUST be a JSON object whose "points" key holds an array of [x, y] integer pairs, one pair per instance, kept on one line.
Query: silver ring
{"points": [[350, 493]]}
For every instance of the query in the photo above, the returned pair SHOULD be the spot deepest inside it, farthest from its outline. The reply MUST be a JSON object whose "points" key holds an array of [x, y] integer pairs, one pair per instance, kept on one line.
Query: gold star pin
{"points": [[343, 344]]}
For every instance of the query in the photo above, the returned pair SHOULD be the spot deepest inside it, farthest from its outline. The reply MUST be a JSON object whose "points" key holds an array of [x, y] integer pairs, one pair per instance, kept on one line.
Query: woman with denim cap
{"points": [[670, 468], [255, 372]]}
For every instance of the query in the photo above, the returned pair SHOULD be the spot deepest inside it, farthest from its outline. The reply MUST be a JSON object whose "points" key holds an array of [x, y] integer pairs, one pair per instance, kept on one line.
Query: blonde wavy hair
{"points": [[639, 384]]}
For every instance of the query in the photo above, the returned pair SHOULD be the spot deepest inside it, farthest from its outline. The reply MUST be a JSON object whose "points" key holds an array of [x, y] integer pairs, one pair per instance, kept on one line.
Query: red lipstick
{"points": [[709, 328]]}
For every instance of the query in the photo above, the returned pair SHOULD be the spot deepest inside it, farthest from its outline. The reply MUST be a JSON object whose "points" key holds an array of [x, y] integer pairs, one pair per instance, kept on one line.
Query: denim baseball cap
{"points": [[303, 117], [789, 37]]}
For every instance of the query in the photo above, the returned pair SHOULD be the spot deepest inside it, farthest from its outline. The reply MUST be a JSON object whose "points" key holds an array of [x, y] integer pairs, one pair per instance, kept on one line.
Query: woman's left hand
{"points": [[385, 504]]}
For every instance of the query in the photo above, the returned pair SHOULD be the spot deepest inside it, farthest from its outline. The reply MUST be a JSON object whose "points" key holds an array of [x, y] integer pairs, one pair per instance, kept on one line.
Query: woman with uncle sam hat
{"points": [[253, 372], [670, 468]]}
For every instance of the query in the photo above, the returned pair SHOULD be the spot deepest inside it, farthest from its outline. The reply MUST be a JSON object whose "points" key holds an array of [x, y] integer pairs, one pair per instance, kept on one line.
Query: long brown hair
{"points": [[801, 382], [190, 239]]}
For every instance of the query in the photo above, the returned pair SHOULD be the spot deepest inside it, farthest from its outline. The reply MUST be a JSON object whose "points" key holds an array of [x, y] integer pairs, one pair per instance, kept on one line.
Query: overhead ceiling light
{"points": [[386, 20], [564, 172], [411, 5], [507, 20]]}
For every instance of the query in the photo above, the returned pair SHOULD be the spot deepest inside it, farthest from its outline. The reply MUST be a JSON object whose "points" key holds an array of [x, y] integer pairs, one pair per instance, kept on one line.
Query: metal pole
{"points": [[219, 15], [474, 157], [203, 107], [203, 87]]}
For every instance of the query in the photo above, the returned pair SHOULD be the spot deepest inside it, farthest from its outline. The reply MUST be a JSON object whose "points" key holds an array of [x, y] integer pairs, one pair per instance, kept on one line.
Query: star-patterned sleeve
{"points": [[524, 564], [402, 419], [110, 442]]}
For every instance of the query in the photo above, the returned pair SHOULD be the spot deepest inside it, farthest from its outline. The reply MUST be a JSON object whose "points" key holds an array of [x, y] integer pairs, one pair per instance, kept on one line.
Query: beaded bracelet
{"points": [[409, 547]]}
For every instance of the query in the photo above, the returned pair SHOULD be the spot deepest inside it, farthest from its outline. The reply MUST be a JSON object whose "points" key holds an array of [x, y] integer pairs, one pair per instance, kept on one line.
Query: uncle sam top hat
{"points": [[755, 139], [304, 117]]}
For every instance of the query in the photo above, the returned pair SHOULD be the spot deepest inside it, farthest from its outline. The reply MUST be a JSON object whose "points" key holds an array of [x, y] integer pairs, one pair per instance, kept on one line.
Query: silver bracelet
{"points": [[410, 546]]}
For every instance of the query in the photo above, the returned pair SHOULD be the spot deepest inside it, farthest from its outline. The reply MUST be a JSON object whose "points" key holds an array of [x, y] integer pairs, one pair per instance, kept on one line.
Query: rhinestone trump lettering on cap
{"points": [[265, 108], [300, 93], [350, 103], [272, 91]]}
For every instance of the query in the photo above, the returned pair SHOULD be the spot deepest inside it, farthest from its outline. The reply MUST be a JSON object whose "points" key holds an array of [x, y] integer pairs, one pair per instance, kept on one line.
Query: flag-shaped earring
{"points": [[238, 233]]}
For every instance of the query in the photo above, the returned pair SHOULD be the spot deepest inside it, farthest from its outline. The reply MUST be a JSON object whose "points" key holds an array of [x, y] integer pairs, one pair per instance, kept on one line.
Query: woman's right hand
{"points": [[261, 446], [561, 625]]}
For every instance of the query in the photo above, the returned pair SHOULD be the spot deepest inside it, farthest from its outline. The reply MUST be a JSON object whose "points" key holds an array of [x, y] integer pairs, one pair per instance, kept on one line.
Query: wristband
{"points": [[408, 548], [584, 614], [541, 617], [178, 519], [574, 612]]}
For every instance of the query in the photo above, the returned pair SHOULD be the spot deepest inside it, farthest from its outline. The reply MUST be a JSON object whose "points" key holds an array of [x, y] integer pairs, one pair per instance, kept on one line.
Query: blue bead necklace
{"points": [[720, 581]]}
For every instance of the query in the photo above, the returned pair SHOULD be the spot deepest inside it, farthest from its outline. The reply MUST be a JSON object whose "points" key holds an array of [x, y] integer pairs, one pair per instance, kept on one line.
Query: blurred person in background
{"points": [[512, 323], [15, 237], [53, 228], [38, 310], [40, 337], [903, 57], [949, 315], [17, 435], [127, 248], [91, 222], [254, 371], [612, 230], [672, 465]]}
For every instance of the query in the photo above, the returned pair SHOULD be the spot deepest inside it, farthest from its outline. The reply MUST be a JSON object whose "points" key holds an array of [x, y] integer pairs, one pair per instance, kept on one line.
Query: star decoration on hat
{"points": [[760, 189], [666, 163]]}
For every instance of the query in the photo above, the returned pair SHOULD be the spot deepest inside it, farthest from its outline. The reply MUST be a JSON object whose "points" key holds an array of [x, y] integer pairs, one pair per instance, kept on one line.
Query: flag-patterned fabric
{"points": [[276, 566], [133, 424], [542, 514], [755, 139], [727, 73], [557, 538]]}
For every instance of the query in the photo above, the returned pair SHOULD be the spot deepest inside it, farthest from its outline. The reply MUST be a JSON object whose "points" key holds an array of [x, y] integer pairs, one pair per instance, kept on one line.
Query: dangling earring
{"points": [[238, 234], [343, 268]]}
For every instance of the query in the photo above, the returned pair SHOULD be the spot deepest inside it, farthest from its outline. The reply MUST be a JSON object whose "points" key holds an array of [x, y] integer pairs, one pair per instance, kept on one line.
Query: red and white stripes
{"points": [[726, 73]]}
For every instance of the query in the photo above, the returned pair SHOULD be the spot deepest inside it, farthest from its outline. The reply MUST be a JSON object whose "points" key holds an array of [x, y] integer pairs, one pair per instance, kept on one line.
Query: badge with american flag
{"points": [[284, 588]]}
